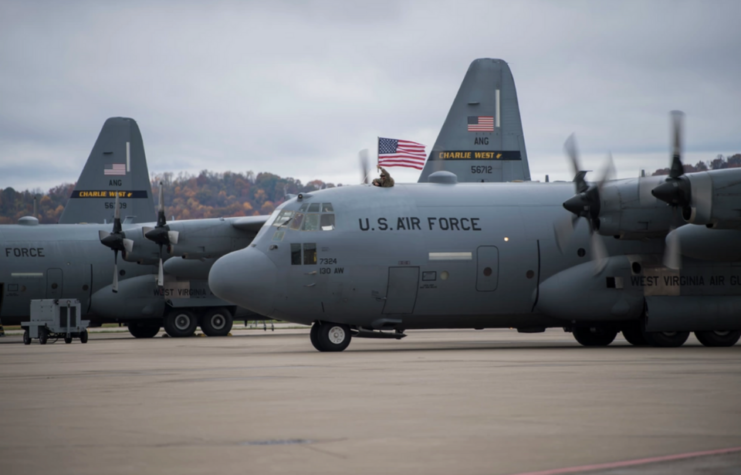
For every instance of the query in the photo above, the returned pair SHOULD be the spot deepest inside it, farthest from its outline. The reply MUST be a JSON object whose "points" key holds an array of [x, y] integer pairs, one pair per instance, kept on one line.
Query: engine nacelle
{"points": [[628, 210], [715, 198], [189, 269], [576, 294], [699, 242], [137, 297]]}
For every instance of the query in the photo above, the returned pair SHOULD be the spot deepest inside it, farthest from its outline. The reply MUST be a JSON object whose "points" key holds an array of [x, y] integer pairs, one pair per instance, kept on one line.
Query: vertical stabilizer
{"points": [[117, 165], [482, 139]]}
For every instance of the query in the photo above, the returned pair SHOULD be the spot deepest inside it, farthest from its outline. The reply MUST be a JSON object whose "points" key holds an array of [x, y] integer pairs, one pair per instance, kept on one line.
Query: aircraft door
{"points": [[54, 283], [401, 294], [487, 268]]}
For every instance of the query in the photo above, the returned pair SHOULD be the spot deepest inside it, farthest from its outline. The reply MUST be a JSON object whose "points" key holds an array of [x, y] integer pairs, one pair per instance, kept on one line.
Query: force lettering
{"points": [[404, 223]]}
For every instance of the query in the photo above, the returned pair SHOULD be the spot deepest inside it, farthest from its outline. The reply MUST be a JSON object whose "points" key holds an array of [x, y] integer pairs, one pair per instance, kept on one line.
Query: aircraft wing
{"points": [[250, 223]]}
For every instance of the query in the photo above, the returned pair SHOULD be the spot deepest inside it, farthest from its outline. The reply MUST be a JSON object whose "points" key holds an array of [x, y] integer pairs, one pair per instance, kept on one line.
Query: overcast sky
{"points": [[297, 88]]}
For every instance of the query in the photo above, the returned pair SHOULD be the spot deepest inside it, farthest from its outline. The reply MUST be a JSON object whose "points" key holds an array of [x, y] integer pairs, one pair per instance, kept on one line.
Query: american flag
{"points": [[401, 153], [115, 169], [482, 123]]}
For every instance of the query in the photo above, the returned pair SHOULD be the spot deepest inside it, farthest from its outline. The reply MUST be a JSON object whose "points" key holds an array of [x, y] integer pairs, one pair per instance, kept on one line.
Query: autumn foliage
{"points": [[206, 195]]}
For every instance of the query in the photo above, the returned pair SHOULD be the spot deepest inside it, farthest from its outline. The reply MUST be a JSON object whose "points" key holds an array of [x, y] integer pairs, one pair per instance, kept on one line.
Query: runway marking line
{"points": [[628, 463]]}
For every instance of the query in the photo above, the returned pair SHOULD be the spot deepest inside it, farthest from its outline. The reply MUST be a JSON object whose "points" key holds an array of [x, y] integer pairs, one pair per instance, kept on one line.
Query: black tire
{"points": [[43, 335], [217, 322], [180, 323], [67, 339], [313, 335], [634, 334], [83, 336], [594, 336], [141, 329], [332, 336], [666, 339], [718, 338], [26, 337]]}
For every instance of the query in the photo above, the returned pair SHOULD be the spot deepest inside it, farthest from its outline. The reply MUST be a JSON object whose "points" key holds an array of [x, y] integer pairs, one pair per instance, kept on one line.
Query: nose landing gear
{"points": [[326, 336]]}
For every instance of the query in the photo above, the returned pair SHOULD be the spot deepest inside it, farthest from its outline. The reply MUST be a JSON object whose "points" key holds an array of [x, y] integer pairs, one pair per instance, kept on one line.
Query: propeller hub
{"points": [[674, 192]]}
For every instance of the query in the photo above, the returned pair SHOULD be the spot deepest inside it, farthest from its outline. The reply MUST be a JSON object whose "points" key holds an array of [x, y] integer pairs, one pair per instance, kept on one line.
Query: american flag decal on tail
{"points": [[115, 169], [482, 123]]}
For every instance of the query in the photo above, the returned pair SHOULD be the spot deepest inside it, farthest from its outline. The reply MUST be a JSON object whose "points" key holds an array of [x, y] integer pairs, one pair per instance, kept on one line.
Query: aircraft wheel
{"points": [[180, 323], [43, 335], [67, 340], [141, 329], [634, 334], [332, 336], [83, 336], [26, 338], [666, 339], [594, 336], [217, 322], [718, 338]]}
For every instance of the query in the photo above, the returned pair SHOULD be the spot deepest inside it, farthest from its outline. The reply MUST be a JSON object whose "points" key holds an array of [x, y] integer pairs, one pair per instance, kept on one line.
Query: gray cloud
{"points": [[297, 88]]}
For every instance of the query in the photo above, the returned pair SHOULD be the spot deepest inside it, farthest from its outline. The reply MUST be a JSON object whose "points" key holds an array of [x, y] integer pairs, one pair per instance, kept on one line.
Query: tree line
{"points": [[187, 196]]}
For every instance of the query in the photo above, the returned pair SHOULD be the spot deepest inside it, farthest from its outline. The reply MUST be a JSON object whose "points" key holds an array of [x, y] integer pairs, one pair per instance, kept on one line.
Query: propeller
{"points": [[161, 235], [585, 204], [364, 166], [117, 241], [676, 189]]}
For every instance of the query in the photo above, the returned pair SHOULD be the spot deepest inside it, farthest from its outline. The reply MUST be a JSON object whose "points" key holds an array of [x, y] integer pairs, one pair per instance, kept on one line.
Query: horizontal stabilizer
{"points": [[482, 138]]}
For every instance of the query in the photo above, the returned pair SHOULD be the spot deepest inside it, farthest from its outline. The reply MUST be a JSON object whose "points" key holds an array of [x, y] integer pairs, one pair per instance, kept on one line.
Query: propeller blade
{"points": [[364, 165], [173, 236], [607, 172], [599, 253], [563, 228], [673, 251], [161, 275], [128, 245], [162, 198], [103, 234], [677, 169], [115, 272]]}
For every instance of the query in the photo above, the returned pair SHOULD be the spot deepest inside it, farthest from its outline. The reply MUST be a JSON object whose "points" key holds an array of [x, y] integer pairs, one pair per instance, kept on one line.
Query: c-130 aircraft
{"points": [[67, 260], [373, 262]]}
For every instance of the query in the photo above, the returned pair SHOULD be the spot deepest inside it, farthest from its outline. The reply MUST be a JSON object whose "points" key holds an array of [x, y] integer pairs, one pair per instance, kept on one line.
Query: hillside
{"points": [[206, 195]]}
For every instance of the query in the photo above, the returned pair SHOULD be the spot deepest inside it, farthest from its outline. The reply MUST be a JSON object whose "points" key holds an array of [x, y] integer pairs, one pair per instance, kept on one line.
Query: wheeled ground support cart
{"points": [[55, 318]]}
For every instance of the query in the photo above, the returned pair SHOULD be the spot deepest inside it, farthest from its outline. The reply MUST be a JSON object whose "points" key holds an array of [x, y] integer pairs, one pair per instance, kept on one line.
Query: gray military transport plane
{"points": [[364, 261], [67, 260]]}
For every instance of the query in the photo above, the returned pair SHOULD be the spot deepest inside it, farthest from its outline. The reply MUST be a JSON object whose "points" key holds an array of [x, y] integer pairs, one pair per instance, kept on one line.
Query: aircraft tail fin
{"points": [[482, 138], [117, 164]]}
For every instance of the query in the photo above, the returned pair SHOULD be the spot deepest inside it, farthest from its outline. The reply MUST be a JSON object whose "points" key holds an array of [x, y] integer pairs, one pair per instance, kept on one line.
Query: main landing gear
{"points": [[718, 338], [327, 336]]}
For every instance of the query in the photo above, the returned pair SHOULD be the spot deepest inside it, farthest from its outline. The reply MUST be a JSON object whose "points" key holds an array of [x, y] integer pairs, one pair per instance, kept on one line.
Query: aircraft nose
{"points": [[245, 278]]}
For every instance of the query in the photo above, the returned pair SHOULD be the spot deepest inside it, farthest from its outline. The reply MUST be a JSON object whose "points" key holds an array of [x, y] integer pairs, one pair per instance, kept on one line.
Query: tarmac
{"points": [[437, 402]]}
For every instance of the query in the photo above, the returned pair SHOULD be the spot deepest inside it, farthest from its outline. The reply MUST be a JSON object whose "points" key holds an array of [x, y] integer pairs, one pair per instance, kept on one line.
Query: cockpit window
{"points": [[296, 254], [296, 222], [311, 221], [283, 218], [327, 223], [309, 253], [314, 208], [327, 208]]}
